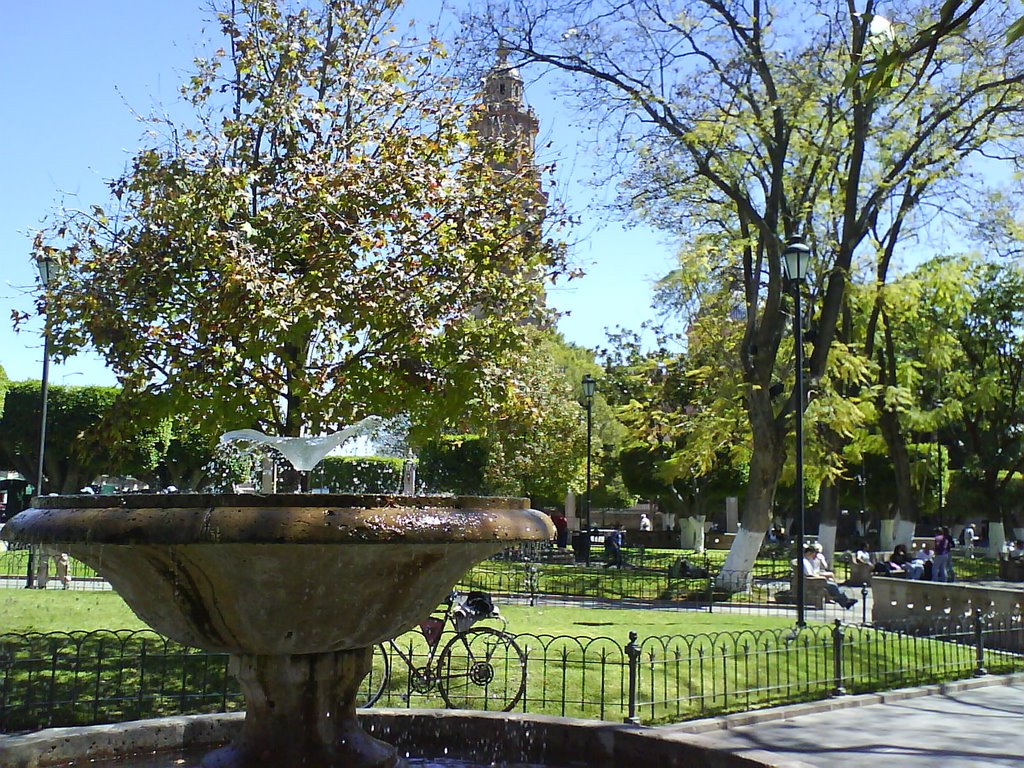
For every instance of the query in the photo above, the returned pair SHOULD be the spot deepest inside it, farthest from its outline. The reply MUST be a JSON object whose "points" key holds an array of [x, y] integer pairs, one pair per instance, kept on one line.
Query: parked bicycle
{"points": [[477, 668]]}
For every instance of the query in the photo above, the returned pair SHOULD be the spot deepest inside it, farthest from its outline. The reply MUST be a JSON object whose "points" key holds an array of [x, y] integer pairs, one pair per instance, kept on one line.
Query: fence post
{"points": [[837, 658], [864, 604], [532, 579], [979, 645], [633, 654]]}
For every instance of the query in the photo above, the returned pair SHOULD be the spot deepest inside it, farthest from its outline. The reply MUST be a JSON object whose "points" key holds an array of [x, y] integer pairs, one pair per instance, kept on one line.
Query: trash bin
{"points": [[581, 546]]}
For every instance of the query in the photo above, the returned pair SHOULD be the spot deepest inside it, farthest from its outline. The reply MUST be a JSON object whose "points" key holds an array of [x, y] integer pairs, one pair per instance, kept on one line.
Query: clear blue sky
{"points": [[75, 76]]}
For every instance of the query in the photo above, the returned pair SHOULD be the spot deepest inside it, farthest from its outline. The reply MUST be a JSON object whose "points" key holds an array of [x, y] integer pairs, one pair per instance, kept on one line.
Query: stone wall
{"points": [[906, 603]]}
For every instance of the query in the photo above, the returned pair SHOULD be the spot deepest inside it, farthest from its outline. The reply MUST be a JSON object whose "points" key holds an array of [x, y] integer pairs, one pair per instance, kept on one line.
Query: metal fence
{"points": [[82, 678], [59, 679], [666, 580], [14, 571], [670, 578]]}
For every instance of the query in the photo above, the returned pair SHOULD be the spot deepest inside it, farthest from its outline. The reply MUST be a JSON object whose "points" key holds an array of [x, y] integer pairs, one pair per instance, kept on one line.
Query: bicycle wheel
{"points": [[376, 680], [481, 669]]}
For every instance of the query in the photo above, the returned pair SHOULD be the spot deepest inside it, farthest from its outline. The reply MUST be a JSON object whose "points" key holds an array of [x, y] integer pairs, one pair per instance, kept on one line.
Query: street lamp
{"points": [[796, 255], [47, 267], [589, 387]]}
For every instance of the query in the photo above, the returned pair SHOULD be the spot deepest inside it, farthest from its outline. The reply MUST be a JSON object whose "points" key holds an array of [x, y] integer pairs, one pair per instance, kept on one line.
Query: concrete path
{"points": [[958, 725]]}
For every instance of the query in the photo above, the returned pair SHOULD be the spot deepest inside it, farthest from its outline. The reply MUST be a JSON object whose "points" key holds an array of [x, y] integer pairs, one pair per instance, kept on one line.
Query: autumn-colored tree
{"points": [[327, 239]]}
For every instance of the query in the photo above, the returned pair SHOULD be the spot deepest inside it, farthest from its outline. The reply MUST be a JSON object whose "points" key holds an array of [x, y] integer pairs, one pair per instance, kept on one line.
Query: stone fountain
{"points": [[297, 588]]}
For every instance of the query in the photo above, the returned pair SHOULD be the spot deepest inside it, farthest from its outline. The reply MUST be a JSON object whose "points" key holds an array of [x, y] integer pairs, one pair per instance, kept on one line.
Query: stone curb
{"points": [[680, 745], [789, 711]]}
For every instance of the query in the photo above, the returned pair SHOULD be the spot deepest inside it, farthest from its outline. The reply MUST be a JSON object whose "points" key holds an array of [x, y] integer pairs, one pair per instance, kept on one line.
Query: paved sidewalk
{"points": [[960, 725]]}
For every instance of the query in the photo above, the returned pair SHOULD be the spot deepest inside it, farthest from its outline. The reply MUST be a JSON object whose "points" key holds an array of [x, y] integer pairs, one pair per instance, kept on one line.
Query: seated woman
{"points": [[899, 559], [813, 570], [897, 563]]}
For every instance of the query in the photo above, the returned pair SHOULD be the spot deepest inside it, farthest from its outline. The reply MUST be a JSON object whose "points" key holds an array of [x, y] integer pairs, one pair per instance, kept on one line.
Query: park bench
{"points": [[860, 573], [814, 589], [1011, 568]]}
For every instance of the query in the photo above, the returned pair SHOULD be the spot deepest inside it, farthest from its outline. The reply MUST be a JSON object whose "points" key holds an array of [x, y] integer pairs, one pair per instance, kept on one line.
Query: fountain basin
{"points": [[297, 588], [488, 738]]}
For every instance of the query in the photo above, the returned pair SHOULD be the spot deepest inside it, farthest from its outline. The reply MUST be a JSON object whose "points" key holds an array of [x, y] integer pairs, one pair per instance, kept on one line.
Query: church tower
{"points": [[505, 117]]}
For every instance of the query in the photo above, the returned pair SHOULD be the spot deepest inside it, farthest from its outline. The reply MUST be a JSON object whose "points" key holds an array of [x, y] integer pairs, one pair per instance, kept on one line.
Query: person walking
{"points": [[60, 560], [969, 539], [561, 529], [613, 541], [942, 561]]}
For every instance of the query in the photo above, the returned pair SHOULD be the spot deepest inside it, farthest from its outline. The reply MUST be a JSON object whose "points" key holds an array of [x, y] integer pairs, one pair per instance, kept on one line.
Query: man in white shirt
{"points": [[969, 539], [813, 570]]}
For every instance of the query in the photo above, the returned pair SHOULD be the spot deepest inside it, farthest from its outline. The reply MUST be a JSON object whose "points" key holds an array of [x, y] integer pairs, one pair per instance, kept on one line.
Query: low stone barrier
{"points": [[908, 603], [719, 540]]}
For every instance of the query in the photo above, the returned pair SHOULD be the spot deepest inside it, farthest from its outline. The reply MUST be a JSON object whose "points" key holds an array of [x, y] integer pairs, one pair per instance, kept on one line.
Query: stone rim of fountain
{"points": [[277, 518]]}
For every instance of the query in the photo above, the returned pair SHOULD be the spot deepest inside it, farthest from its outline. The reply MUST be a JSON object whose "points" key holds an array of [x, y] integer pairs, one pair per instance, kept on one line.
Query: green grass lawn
{"points": [[691, 663], [29, 610], [575, 659], [54, 610]]}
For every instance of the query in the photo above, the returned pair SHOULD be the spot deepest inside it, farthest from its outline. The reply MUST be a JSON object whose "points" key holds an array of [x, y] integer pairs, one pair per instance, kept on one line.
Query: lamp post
{"points": [[47, 267], [589, 387], [796, 256]]}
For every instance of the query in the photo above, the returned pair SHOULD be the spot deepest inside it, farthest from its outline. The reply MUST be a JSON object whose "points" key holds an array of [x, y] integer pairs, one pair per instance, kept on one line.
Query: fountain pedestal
{"points": [[301, 711], [297, 588]]}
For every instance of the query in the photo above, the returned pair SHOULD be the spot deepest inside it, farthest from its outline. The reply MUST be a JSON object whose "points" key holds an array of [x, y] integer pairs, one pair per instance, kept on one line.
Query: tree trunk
{"points": [[996, 538], [903, 532], [886, 533], [765, 469], [828, 504], [906, 502]]}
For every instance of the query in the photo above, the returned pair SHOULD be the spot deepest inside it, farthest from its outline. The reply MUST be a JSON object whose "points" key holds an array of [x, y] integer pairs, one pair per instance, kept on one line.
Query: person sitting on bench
{"points": [[813, 570]]}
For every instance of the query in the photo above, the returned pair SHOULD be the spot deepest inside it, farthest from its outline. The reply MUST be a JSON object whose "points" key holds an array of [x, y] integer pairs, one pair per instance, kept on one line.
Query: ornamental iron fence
{"points": [[64, 679]]}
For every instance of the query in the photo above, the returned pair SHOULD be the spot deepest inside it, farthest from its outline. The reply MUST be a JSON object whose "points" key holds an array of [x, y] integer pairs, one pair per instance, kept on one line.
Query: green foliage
{"points": [[454, 464], [77, 448], [537, 437], [1015, 32], [327, 238], [611, 490], [534, 443], [688, 444], [360, 474], [186, 454]]}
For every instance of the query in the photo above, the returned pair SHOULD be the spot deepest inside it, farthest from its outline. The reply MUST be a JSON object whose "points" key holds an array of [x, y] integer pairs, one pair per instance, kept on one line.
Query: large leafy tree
{"points": [[750, 122], [536, 440], [686, 431], [326, 239], [983, 390], [77, 447]]}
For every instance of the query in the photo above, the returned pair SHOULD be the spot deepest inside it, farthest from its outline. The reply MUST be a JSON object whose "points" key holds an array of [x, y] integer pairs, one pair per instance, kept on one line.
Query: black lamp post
{"points": [[47, 267], [796, 256], [589, 387]]}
